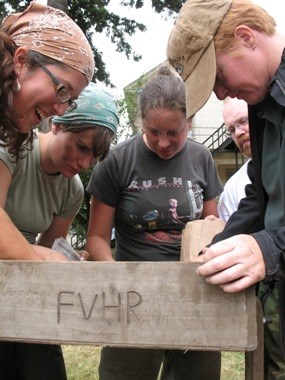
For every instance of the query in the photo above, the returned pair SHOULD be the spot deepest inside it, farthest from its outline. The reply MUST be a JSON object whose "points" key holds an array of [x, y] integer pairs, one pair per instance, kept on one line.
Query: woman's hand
{"points": [[84, 255]]}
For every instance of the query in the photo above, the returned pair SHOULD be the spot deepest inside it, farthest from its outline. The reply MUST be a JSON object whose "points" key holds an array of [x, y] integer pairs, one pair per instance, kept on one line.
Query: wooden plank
{"points": [[254, 360], [197, 235], [130, 304]]}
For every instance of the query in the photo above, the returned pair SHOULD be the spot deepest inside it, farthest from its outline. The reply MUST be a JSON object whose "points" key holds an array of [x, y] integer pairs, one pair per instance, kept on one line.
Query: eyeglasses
{"points": [[240, 123], [62, 92]]}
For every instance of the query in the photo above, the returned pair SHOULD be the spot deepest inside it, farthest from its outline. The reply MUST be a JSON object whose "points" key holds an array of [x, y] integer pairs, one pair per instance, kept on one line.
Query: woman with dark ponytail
{"points": [[149, 187]]}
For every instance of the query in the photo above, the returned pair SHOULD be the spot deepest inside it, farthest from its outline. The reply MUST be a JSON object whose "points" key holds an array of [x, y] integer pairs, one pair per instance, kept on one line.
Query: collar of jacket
{"points": [[277, 85]]}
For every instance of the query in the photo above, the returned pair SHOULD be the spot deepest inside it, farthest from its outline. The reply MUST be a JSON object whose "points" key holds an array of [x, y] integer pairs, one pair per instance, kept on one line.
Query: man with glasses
{"points": [[236, 126]]}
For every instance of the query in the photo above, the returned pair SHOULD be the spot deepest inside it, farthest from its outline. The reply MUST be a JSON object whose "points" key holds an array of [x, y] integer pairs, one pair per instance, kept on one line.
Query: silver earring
{"points": [[18, 86]]}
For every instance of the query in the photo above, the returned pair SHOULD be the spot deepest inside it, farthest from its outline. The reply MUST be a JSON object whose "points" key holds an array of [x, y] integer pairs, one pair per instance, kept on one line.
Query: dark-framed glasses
{"points": [[62, 92], [240, 123]]}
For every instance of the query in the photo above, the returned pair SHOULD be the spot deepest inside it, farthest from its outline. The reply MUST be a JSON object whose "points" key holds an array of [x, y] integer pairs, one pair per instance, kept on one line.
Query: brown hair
{"points": [[166, 90], [102, 139], [17, 143], [242, 12], [9, 134]]}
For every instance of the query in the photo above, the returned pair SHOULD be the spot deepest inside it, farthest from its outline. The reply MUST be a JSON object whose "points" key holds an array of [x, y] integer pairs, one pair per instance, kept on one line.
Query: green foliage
{"points": [[82, 363], [169, 6], [172, 6], [125, 129], [94, 16], [132, 101]]}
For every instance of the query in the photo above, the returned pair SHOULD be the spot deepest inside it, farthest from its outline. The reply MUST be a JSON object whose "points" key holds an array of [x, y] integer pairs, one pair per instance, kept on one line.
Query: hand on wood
{"points": [[234, 264]]}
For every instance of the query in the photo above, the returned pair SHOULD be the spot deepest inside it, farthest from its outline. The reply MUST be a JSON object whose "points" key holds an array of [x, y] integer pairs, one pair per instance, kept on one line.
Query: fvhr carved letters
{"points": [[100, 306]]}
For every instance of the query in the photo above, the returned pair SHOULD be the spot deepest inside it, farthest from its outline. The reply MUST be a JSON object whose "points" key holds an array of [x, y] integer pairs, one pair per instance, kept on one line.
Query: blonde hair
{"points": [[242, 12]]}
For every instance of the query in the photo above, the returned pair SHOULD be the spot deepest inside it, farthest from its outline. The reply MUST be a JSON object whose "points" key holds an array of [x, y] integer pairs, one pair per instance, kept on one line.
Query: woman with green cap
{"points": [[42, 194]]}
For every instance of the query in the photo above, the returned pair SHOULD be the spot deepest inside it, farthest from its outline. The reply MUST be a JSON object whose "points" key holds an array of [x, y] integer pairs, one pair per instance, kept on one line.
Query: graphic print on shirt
{"points": [[170, 204]]}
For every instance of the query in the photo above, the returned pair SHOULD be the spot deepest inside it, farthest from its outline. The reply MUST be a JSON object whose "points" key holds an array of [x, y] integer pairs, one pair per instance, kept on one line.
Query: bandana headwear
{"points": [[51, 32], [95, 106]]}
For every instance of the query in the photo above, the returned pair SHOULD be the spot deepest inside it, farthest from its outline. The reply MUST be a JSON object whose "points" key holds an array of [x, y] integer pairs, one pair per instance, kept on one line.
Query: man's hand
{"points": [[234, 264]]}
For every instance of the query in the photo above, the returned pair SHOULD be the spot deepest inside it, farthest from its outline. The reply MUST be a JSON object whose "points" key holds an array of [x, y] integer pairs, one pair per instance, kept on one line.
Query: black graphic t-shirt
{"points": [[154, 198]]}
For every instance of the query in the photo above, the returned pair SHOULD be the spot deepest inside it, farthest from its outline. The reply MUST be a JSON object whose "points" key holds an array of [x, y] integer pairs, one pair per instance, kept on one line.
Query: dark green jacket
{"points": [[250, 218]]}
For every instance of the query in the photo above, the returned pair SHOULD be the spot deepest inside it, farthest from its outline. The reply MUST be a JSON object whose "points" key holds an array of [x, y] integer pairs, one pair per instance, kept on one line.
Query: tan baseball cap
{"points": [[191, 49]]}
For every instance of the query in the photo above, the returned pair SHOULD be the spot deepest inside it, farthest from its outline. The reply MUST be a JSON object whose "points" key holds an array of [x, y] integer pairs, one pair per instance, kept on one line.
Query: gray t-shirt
{"points": [[154, 198], [34, 197]]}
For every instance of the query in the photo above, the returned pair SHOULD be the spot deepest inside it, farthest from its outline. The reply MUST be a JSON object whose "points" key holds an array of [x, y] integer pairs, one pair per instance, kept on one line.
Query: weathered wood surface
{"points": [[197, 235], [150, 304], [254, 360]]}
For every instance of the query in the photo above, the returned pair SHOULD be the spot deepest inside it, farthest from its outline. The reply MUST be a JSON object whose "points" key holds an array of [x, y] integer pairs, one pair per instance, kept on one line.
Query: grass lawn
{"points": [[82, 363]]}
